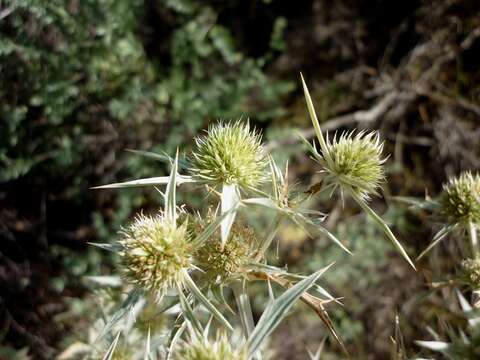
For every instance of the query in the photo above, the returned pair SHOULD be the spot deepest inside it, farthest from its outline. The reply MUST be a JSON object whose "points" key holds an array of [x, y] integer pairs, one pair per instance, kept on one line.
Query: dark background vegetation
{"points": [[81, 81]]}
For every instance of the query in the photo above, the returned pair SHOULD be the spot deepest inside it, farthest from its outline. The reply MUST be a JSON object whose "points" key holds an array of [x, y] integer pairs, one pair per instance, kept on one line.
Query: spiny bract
{"points": [[202, 349], [223, 264], [460, 200], [154, 253], [230, 153], [356, 162]]}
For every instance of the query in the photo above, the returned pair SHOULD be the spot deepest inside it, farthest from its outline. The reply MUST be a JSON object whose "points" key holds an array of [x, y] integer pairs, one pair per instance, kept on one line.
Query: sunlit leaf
{"points": [[274, 314], [109, 354], [204, 301]]}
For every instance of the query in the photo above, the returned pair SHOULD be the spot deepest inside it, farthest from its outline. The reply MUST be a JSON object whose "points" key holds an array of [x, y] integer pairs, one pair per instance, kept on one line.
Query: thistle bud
{"points": [[222, 264], [202, 349], [356, 162], [460, 200], [230, 153], [154, 253]]}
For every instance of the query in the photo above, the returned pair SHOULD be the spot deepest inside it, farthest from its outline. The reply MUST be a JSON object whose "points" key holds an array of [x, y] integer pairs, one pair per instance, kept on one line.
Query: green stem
{"points": [[472, 234]]}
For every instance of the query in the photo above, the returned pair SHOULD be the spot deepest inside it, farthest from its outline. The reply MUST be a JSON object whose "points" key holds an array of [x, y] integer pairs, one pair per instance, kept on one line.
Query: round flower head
{"points": [[202, 349], [460, 200], [470, 272], [230, 153], [223, 264], [356, 162], [154, 253]]}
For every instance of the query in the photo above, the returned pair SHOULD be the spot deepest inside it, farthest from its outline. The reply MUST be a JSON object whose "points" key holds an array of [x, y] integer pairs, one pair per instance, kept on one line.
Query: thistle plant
{"points": [[354, 164], [186, 260], [192, 258]]}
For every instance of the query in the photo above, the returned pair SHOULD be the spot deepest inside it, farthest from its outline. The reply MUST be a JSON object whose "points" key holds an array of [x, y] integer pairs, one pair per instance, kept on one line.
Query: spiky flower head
{"points": [[222, 264], [470, 272], [202, 349], [230, 153], [460, 199], [154, 253], [356, 162]]}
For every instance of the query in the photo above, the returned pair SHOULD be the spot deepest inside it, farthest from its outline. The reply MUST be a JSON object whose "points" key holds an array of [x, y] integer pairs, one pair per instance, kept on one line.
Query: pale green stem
{"points": [[472, 234], [245, 311]]}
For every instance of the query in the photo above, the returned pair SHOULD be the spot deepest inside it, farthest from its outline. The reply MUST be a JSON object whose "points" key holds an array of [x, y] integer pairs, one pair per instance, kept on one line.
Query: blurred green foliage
{"points": [[82, 80]]}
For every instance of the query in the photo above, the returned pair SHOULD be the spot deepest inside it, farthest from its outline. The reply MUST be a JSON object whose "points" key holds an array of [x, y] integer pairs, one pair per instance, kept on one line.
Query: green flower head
{"points": [[202, 349], [230, 153], [356, 162], [154, 253], [222, 264], [460, 199]]}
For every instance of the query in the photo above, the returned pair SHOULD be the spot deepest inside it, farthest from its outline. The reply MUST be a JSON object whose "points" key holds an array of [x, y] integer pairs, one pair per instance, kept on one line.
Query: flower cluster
{"points": [[202, 349], [222, 264], [230, 153], [154, 253], [460, 200], [355, 162]]}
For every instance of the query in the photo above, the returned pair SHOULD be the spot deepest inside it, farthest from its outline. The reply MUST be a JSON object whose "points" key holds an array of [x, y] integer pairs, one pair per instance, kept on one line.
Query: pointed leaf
{"points": [[170, 192], [440, 346], [316, 124], [211, 228], [274, 314], [159, 180], [383, 226], [111, 349], [243, 305], [109, 247], [439, 236], [147, 356], [190, 284], [182, 164]]}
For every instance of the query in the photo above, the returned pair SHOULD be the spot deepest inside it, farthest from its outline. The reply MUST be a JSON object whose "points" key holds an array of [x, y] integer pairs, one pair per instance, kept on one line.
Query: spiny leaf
{"points": [[127, 306], [211, 228], [170, 200], [243, 305], [382, 225], [182, 163], [439, 236], [111, 349], [160, 180], [274, 314], [316, 124], [204, 301], [105, 246]]}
